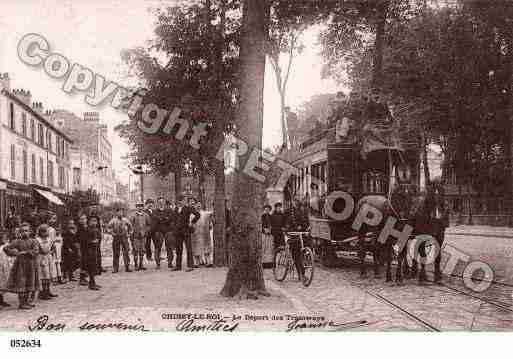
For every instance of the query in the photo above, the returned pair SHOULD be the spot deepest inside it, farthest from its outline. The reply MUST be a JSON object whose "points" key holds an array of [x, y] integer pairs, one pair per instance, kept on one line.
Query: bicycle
{"points": [[284, 262]]}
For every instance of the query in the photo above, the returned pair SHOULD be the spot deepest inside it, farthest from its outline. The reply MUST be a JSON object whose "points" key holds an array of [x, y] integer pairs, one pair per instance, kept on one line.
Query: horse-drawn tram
{"points": [[365, 153]]}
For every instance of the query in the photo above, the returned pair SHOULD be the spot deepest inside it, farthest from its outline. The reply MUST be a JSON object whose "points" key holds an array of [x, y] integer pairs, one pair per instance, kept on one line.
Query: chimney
{"points": [[23, 95], [48, 114], [92, 117], [38, 107], [5, 81]]}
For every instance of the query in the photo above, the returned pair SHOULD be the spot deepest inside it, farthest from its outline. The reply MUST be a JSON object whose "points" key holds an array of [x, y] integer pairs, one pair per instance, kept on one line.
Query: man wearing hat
{"points": [[140, 226], [278, 224], [149, 208], [121, 229]]}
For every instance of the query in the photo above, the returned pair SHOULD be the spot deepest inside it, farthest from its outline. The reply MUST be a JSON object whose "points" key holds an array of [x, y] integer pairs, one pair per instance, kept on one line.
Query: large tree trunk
{"points": [[245, 276], [219, 216], [216, 60]]}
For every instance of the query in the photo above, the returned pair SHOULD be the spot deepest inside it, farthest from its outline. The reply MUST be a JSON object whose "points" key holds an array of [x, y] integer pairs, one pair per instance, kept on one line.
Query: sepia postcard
{"points": [[236, 166]]}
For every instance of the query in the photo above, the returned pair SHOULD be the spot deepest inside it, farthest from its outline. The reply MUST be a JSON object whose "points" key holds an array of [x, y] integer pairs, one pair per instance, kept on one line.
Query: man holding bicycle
{"points": [[297, 222]]}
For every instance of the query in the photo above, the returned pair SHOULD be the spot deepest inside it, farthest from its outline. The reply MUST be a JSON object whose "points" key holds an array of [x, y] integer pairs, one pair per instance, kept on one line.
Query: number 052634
{"points": [[23, 343]]}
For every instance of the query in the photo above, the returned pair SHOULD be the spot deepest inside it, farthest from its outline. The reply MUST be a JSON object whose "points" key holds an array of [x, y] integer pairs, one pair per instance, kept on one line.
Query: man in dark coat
{"points": [[149, 238], [183, 230], [94, 214], [297, 221], [82, 241], [161, 218], [169, 239], [278, 225], [91, 251]]}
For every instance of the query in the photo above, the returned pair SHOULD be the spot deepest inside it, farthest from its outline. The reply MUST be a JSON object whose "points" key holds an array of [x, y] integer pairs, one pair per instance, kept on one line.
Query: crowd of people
{"points": [[37, 253]]}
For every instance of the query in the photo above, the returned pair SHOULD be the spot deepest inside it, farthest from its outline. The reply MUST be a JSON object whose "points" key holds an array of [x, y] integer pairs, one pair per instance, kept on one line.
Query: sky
{"points": [[94, 32]]}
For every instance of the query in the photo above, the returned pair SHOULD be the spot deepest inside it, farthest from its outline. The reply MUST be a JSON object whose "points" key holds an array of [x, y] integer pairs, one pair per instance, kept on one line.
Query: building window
{"points": [[41, 171], [58, 143], [61, 177], [25, 166], [12, 124], [32, 130], [13, 161], [24, 124], [50, 174], [76, 177], [33, 168], [66, 180], [41, 134], [49, 140]]}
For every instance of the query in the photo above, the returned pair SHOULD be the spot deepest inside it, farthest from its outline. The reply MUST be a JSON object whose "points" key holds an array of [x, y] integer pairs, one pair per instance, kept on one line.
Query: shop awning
{"points": [[51, 197]]}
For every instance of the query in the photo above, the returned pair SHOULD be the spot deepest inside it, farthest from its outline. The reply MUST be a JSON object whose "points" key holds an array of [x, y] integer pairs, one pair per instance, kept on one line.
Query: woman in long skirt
{"points": [[24, 274], [195, 239], [204, 239]]}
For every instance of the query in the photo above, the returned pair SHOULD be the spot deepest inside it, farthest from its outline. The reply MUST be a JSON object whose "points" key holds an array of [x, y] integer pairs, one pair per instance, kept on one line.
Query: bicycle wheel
{"points": [[281, 265], [308, 264]]}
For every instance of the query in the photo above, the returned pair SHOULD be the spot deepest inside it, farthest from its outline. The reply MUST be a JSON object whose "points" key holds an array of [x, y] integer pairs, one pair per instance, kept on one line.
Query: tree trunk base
{"points": [[245, 278]]}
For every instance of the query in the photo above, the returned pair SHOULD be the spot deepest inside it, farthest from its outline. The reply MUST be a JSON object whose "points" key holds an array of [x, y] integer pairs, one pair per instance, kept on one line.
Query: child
{"points": [[45, 261], [91, 253], [57, 256], [52, 235], [70, 250], [24, 275], [5, 267]]}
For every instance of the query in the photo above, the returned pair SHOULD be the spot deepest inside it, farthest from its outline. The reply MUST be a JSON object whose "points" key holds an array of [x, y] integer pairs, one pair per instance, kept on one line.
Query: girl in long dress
{"points": [[5, 268], [52, 236], [57, 256], [46, 263], [24, 274]]}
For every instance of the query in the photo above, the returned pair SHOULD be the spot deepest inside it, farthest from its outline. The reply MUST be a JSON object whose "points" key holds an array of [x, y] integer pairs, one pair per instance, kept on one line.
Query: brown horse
{"points": [[424, 212], [428, 217], [368, 235]]}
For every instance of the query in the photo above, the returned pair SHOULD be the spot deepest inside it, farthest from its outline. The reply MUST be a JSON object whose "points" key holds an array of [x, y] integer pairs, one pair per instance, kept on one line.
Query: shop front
{"points": [[14, 195]]}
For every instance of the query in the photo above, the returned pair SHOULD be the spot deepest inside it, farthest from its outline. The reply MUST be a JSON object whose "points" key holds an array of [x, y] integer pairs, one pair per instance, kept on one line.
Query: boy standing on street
{"points": [[121, 229], [141, 226]]}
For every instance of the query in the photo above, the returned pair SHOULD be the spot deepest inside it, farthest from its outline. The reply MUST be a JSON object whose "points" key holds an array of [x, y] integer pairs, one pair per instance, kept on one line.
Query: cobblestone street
{"points": [[336, 294]]}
